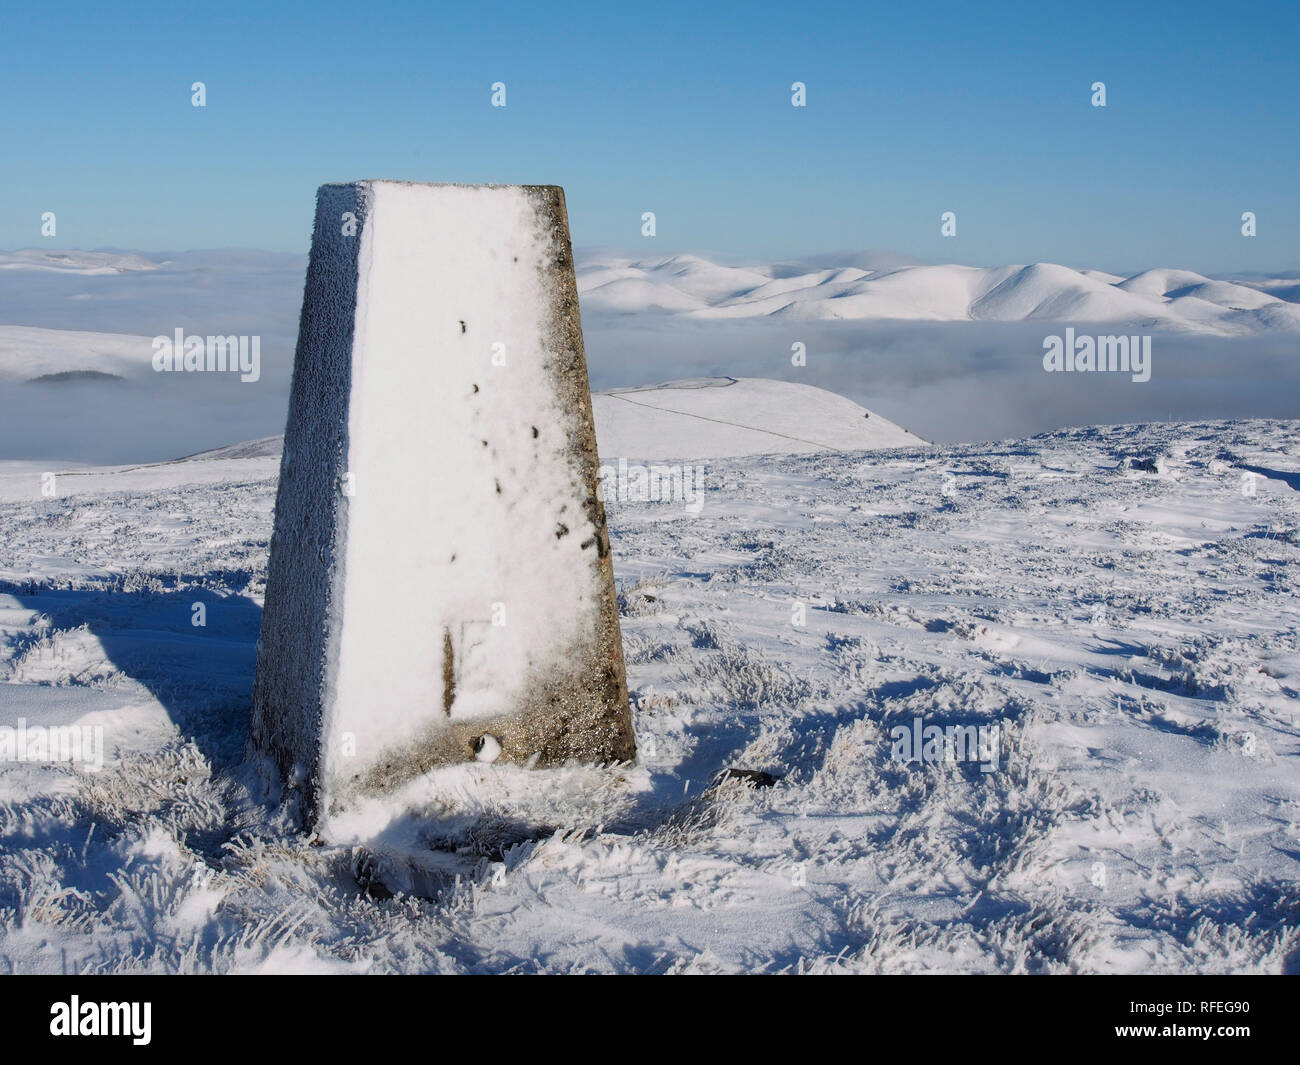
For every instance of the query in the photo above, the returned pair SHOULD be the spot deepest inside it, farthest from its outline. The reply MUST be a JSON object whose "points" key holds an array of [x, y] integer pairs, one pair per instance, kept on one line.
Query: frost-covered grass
{"points": [[1132, 632]]}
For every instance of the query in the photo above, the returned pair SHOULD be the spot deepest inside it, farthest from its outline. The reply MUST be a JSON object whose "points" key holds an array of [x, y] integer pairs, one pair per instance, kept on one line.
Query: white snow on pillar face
{"points": [[457, 510], [470, 592]]}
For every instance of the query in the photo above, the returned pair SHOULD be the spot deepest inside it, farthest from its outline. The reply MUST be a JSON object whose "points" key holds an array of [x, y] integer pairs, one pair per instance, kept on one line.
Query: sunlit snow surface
{"points": [[1134, 634]]}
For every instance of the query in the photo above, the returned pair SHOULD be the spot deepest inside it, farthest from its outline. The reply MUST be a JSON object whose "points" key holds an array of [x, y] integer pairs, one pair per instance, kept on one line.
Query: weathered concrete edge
{"points": [[297, 639]]}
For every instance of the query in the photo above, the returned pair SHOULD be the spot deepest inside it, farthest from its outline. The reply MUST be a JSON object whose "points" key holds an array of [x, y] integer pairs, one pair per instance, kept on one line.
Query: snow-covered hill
{"points": [[709, 417], [1167, 300], [1111, 601], [695, 419], [77, 262], [713, 417], [28, 353]]}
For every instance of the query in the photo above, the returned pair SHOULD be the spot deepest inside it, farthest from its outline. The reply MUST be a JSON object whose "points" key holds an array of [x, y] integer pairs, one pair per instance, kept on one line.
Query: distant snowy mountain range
{"points": [[1166, 300], [77, 262], [897, 337]]}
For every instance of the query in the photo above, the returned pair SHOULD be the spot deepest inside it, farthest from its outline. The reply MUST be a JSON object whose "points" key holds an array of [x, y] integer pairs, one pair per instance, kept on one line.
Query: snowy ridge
{"points": [[711, 417], [1176, 300], [726, 416], [28, 352], [77, 262]]}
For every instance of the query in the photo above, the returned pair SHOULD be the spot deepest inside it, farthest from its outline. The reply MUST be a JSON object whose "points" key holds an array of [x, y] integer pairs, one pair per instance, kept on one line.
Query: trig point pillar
{"points": [[440, 587]]}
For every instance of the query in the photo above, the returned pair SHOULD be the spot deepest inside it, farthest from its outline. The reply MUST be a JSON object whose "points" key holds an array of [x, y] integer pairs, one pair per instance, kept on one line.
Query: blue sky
{"points": [[681, 109]]}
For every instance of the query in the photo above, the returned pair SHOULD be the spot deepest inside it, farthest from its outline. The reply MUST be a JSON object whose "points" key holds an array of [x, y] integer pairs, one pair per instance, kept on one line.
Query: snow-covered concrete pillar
{"points": [[440, 587]]}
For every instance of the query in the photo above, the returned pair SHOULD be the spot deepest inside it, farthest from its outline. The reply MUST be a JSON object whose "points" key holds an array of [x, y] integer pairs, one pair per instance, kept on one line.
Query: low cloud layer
{"points": [[946, 381], [955, 382]]}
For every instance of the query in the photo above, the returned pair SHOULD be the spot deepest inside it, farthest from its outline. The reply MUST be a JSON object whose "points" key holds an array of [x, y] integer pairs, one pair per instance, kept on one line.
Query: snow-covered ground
{"points": [[1111, 599]]}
